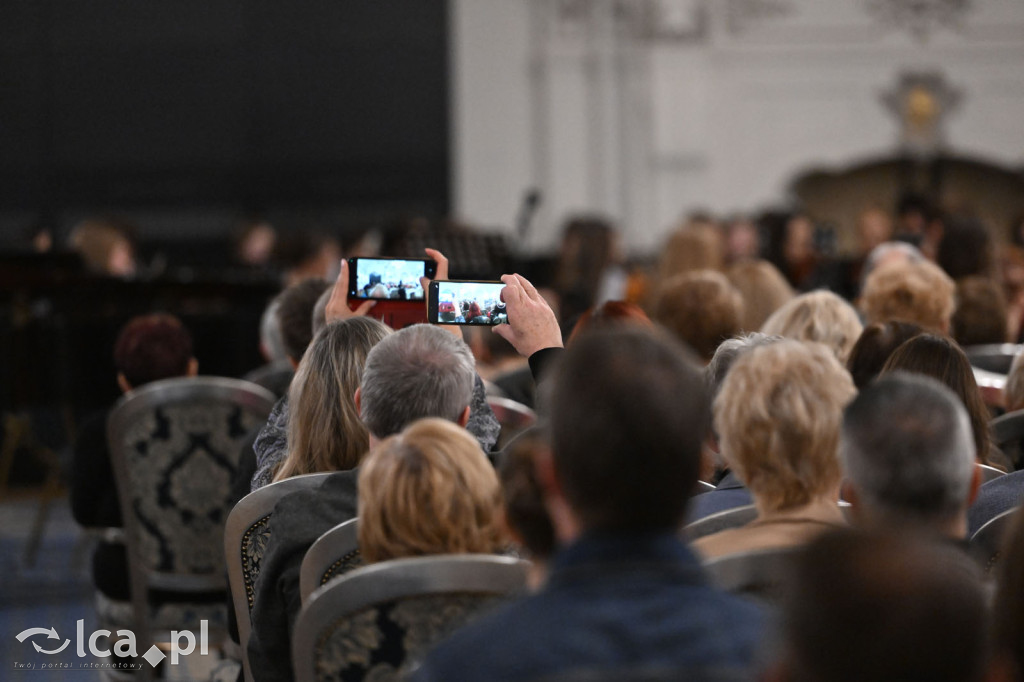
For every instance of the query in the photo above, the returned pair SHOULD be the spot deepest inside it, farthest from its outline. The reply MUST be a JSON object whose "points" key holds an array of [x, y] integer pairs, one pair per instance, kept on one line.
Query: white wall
{"points": [[646, 130]]}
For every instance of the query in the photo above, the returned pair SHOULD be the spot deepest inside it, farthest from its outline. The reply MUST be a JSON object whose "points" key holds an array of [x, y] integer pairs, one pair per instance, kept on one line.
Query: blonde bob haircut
{"points": [[778, 417], [820, 316], [325, 432], [763, 288], [428, 490], [911, 292]]}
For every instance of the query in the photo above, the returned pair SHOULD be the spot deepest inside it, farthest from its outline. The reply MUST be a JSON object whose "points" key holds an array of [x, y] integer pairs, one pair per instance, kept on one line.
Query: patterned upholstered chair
{"points": [[723, 520], [245, 540], [175, 446], [335, 553], [379, 621]]}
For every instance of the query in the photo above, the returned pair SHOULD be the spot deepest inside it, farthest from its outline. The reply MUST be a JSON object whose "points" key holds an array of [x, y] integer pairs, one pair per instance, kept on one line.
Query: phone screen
{"points": [[471, 303], [393, 279]]}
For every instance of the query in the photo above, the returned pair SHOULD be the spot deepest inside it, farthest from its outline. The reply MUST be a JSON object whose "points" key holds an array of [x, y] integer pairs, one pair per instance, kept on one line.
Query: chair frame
{"points": [[1008, 428], [729, 572], [139, 402], [255, 507], [398, 579], [719, 521], [982, 353], [330, 548], [987, 553]]}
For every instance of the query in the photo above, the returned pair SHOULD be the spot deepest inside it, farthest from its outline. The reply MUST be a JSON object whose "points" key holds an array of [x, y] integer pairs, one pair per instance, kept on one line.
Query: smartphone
{"points": [[393, 279], [470, 303]]}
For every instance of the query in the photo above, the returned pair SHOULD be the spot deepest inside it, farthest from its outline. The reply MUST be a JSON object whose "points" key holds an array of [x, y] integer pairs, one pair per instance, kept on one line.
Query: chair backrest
{"points": [[995, 357], [702, 487], [1008, 429], [760, 574], [989, 473], [514, 418], [175, 446], [418, 601], [245, 540], [335, 553], [987, 542], [723, 520]]}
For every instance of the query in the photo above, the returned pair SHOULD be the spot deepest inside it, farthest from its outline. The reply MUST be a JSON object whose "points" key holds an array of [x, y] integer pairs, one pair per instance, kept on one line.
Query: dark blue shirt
{"points": [[611, 602]]}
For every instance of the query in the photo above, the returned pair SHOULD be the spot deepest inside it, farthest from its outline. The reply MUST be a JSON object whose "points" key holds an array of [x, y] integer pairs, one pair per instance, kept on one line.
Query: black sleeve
{"points": [[541, 361], [94, 500]]}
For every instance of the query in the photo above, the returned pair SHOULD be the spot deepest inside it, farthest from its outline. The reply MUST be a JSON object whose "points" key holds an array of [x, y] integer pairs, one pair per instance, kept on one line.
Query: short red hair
{"points": [[152, 347]]}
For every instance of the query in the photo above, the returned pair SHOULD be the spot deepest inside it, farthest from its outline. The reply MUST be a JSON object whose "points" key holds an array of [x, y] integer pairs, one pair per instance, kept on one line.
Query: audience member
{"points": [[701, 308], [883, 607], [304, 254], [1008, 605], [909, 456], [940, 358], [295, 318], [276, 375], [981, 314], [608, 315], [729, 491], [148, 348], [778, 416], [325, 432], [873, 348], [763, 289], [818, 316], [527, 520], [420, 371], [624, 593], [697, 245], [428, 490], [912, 292], [966, 248]]}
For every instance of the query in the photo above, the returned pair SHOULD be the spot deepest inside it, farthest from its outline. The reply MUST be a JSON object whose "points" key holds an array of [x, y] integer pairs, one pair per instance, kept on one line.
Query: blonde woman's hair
{"points": [[697, 245], [325, 432], [763, 288], [428, 490], [911, 292], [778, 417], [819, 316]]}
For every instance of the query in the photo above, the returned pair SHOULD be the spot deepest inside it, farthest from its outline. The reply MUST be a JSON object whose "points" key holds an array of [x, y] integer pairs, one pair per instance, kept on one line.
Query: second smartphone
{"points": [[465, 302]]}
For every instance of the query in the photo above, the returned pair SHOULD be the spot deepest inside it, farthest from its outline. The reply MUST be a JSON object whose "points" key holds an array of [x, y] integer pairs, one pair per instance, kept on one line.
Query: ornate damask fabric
{"points": [[182, 459], [381, 644]]}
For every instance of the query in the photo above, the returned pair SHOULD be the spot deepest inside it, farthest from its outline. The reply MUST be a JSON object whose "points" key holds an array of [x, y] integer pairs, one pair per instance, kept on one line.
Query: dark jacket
{"points": [[298, 520], [611, 603]]}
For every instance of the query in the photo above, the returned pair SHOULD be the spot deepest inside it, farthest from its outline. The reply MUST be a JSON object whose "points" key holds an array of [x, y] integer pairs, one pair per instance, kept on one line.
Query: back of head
{"points": [[152, 347], [778, 416], [966, 248], [325, 432], [525, 512], [907, 449], [295, 315], [420, 371], [609, 314], [628, 416], [884, 607], [701, 308], [697, 245], [914, 292], [763, 288], [428, 490], [819, 316], [940, 358], [876, 343], [271, 338], [980, 315], [726, 355]]}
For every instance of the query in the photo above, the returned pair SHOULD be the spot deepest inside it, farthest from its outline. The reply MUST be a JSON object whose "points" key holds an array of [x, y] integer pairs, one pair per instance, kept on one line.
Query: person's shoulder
{"points": [[718, 500], [304, 515]]}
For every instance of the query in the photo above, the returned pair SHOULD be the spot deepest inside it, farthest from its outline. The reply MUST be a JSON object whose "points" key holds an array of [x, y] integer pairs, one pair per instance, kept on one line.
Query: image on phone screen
{"points": [[469, 303], [388, 278]]}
